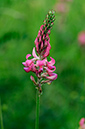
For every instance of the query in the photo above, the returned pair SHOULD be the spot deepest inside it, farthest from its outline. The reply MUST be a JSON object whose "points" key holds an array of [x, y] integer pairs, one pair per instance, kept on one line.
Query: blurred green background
{"points": [[62, 102]]}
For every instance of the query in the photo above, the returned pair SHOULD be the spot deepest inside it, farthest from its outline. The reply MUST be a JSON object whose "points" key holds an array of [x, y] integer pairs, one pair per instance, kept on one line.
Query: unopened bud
{"points": [[32, 78]]}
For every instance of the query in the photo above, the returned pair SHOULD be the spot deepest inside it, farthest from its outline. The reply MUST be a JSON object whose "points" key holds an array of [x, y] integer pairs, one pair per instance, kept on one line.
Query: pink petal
{"points": [[49, 46], [36, 40], [28, 62], [44, 74], [46, 52], [40, 38], [34, 53], [50, 71], [41, 28], [47, 36], [33, 68], [41, 45], [43, 36], [40, 62], [45, 28], [48, 31], [52, 62], [31, 77], [53, 77], [45, 59], [46, 42], [81, 121], [48, 39], [24, 63], [27, 69], [37, 47], [39, 33], [42, 32], [28, 55], [51, 74], [51, 67]]}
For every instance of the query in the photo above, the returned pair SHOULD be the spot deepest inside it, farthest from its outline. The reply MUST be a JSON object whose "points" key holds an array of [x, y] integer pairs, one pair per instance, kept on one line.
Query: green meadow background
{"points": [[62, 103]]}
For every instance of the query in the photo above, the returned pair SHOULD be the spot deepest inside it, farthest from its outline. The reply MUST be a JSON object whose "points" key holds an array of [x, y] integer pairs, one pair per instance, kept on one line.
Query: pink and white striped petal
{"points": [[24, 63], [52, 62], [52, 77], [34, 53], [27, 69], [50, 71]]}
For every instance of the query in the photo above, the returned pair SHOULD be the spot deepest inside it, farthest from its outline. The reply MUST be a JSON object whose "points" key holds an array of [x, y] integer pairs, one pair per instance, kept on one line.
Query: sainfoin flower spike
{"points": [[39, 64]]}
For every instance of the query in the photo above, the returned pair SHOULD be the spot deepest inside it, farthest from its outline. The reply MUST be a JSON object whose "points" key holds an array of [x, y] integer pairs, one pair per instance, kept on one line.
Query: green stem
{"points": [[2, 127], [37, 110]]}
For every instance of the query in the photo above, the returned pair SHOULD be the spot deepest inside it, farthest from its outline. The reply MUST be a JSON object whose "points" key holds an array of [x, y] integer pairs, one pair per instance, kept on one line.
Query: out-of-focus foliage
{"points": [[62, 102]]}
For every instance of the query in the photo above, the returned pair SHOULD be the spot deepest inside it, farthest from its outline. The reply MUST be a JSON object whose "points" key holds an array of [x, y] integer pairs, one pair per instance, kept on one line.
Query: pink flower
{"points": [[82, 123], [61, 7], [81, 37], [43, 69], [29, 64]]}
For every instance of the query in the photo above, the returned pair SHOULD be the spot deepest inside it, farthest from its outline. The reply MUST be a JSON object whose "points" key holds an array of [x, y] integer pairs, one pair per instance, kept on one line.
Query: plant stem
{"points": [[37, 110], [1, 116]]}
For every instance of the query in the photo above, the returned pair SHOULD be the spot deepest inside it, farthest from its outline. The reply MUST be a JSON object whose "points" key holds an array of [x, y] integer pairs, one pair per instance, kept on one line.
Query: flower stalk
{"points": [[37, 110]]}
